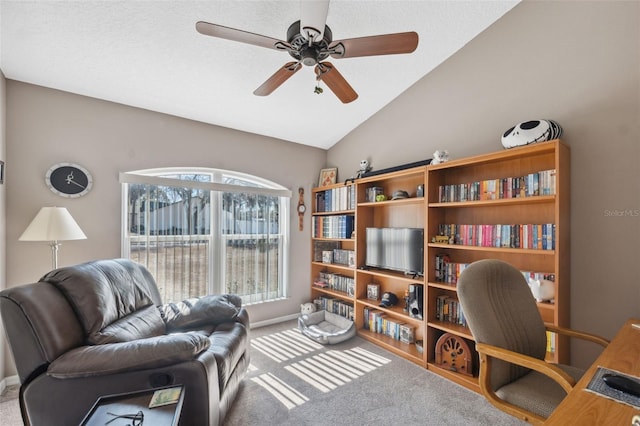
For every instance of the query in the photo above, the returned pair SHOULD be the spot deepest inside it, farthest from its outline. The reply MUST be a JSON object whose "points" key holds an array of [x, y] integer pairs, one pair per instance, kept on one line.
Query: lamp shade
{"points": [[53, 224]]}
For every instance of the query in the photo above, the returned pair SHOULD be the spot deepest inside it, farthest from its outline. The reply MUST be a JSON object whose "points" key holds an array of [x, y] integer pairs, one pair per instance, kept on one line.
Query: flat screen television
{"points": [[397, 249]]}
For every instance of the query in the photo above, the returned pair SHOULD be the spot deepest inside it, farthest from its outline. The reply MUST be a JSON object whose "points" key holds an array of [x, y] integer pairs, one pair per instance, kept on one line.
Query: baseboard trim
{"points": [[9, 381], [274, 321]]}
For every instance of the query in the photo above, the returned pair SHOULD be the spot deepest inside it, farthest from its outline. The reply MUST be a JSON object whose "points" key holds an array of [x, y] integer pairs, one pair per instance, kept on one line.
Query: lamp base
{"points": [[54, 253]]}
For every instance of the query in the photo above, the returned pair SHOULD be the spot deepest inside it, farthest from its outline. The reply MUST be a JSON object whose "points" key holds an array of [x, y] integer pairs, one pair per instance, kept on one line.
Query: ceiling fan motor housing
{"points": [[308, 53]]}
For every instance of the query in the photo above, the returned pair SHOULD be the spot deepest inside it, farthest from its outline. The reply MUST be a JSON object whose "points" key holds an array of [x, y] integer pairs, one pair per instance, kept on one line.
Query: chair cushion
{"points": [[141, 354], [326, 327], [536, 392], [140, 324]]}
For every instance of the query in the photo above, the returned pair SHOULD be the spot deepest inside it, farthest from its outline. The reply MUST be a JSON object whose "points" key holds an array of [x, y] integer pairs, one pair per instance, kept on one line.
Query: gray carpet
{"points": [[294, 381]]}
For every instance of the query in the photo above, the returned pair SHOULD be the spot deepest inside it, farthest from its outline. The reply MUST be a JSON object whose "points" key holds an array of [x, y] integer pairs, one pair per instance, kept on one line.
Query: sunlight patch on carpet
{"points": [[288, 396], [285, 345], [323, 368], [329, 370]]}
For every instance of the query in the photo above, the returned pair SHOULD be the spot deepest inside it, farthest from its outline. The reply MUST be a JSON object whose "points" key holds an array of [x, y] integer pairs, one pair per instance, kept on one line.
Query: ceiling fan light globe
{"points": [[309, 56]]}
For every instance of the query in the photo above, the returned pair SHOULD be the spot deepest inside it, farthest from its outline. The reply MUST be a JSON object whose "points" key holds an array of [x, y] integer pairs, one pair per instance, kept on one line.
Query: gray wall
{"points": [[574, 62], [3, 204], [47, 126]]}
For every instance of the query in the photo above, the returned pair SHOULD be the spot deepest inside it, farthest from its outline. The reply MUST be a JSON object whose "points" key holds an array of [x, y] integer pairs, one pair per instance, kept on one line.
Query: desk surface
{"points": [[586, 408]]}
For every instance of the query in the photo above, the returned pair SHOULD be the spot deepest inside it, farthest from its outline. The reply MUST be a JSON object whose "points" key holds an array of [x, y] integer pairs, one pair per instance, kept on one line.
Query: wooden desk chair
{"points": [[512, 343]]}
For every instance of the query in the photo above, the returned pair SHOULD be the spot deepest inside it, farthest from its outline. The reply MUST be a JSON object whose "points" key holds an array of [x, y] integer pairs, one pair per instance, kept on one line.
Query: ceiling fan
{"points": [[310, 42]]}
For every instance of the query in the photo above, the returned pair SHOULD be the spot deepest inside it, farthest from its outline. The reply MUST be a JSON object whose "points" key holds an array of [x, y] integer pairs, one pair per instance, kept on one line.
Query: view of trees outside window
{"points": [[200, 241]]}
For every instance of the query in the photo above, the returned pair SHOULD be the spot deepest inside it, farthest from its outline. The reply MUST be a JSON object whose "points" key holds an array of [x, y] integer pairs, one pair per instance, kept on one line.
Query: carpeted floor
{"points": [[294, 381]]}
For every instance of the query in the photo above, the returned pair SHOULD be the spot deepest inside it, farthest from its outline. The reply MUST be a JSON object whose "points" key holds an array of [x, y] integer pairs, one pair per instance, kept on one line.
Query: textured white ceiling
{"points": [[148, 54]]}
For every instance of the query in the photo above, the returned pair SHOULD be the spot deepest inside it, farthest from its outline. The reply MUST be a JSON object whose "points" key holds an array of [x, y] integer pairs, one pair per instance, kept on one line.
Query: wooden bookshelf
{"points": [[428, 212], [531, 209]]}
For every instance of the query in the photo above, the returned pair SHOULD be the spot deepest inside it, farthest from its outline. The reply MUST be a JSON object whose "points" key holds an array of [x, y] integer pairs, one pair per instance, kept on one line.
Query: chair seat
{"points": [[536, 392]]}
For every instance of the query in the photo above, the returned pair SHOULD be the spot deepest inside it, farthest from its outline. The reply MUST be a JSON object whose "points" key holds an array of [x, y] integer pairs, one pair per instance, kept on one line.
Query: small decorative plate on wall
{"points": [[69, 180]]}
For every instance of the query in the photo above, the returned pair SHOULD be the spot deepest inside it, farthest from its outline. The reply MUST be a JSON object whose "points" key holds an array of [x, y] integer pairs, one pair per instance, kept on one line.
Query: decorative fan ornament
{"points": [[310, 42]]}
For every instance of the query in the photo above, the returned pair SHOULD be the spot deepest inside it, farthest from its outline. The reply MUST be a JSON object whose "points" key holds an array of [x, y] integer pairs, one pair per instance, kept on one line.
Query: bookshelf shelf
{"points": [[338, 212], [493, 249], [456, 329], [334, 266], [443, 286], [539, 199], [407, 351], [468, 382], [414, 200], [399, 276], [395, 310], [331, 292], [548, 160]]}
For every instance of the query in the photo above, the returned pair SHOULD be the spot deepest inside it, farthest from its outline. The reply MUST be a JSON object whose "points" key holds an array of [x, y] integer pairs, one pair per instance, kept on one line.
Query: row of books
{"points": [[531, 185], [336, 306], [340, 226], [377, 321], [448, 309], [336, 199], [525, 236], [319, 247], [344, 257], [336, 282], [449, 272]]}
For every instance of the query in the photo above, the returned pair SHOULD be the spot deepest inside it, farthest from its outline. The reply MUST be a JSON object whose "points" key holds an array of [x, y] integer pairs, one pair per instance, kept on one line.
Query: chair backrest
{"points": [[102, 292], [40, 326], [501, 311], [72, 306]]}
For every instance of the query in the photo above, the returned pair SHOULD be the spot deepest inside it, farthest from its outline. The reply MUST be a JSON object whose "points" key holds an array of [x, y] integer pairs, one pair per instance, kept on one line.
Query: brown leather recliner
{"points": [[100, 328]]}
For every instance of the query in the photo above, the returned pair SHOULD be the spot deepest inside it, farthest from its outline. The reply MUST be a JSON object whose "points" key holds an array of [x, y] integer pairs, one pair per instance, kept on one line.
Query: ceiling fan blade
{"points": [[279, 77], [313, 18], [386, 44], [233, 34], [326, 72]]}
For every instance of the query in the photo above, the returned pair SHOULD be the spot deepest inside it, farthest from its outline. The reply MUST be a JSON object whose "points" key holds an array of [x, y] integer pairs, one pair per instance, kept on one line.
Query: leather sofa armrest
{"points": [[197, 312], [243, 317], [112, 358]]}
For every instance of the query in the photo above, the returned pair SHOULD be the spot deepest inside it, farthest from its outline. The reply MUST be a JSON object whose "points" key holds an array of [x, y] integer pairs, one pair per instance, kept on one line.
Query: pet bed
{"points": [[326, 327]]}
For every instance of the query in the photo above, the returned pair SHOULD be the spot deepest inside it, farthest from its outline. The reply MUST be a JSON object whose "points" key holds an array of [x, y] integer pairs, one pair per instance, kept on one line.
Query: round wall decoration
{"points": [[69, 180]]}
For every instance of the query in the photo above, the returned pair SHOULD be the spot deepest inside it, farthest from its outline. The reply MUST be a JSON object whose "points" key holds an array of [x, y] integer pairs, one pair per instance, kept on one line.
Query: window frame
{"points": [[217, 187]]}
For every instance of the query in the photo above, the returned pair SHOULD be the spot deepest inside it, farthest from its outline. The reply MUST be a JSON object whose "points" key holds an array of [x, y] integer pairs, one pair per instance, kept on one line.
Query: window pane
{"points": [[170, 235], [201, 241], [252, 246]]}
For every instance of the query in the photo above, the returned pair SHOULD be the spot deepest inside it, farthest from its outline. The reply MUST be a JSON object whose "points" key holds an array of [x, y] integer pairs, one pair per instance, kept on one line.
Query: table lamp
{"points": [[53, 224]]}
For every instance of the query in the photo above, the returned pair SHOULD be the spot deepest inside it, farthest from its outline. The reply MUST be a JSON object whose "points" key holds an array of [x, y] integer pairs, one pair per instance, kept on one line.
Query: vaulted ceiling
{"points": [[148, 54]]}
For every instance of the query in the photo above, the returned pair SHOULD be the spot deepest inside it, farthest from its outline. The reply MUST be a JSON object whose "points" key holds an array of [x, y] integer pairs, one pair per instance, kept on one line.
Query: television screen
{"points": [[397, 249]]}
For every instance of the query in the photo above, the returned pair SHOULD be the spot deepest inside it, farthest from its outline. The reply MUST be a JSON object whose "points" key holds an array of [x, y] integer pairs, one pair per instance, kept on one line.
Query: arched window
{"points": [[207, 231]]}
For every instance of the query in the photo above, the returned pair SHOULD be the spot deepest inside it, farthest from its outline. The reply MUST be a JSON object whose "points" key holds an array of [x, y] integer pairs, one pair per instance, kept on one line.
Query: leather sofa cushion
{"points": [[102, 292], [154, 352], [197, 312], [141, 324]]}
